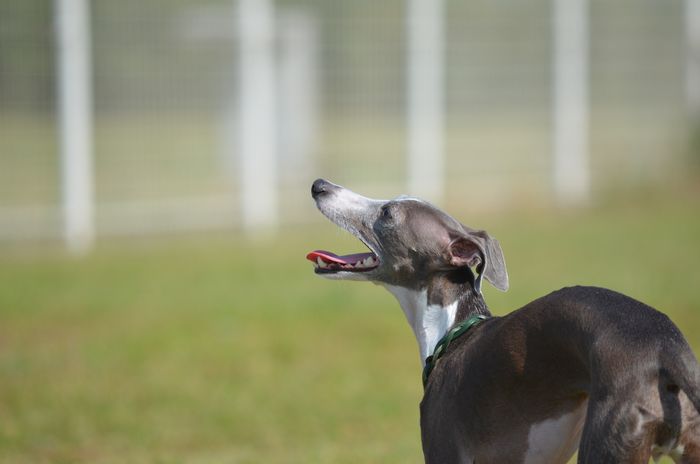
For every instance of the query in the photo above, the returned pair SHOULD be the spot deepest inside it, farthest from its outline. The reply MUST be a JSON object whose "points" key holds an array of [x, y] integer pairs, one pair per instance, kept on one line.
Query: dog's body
{"points": [[582, 369], [520, 388]]}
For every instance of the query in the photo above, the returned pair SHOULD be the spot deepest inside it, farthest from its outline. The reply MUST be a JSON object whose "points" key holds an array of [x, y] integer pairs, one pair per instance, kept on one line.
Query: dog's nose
{"points": [[318, 187]]}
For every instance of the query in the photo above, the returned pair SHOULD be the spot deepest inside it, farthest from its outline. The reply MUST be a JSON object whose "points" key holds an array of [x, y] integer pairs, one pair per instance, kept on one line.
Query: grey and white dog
{"points": [[582, 368]]}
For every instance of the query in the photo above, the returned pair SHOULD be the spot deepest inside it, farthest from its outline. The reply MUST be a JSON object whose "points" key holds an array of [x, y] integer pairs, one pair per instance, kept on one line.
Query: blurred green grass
{"points": [[217, 349]]}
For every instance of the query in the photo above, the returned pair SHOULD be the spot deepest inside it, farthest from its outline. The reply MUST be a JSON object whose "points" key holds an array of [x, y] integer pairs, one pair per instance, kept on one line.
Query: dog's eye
{"points": [[385, 213]]}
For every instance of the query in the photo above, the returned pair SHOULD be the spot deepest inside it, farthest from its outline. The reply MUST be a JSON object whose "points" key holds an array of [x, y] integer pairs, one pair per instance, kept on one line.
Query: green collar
{"points": [[445, 341]]}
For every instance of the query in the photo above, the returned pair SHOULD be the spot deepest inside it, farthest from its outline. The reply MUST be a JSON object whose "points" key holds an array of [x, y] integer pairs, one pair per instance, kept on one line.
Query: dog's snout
{"points": [[319, 187]]}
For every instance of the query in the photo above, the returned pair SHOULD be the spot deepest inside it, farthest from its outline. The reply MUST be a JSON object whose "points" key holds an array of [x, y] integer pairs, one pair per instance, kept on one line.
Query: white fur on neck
{"points": [[429, 322]]}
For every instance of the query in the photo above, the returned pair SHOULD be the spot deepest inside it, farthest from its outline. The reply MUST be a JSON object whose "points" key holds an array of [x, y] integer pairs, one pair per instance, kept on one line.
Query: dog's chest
{"points": [[555, 440]]}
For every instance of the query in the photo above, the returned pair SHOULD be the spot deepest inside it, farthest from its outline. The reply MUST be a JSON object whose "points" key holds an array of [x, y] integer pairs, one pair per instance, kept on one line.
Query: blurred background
{"points": [[155, 164]]}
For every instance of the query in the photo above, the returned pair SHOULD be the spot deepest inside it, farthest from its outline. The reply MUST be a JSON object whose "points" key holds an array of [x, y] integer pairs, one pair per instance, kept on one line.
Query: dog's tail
{"points": [[683, 372]]}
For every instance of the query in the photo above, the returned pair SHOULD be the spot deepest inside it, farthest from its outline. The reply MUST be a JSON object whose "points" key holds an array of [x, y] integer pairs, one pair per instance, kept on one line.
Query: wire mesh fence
{"points": [[166, 105]]}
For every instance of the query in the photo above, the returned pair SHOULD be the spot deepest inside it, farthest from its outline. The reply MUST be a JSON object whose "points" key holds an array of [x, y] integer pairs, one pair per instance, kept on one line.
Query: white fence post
{"points": [[425, 30], [75, 122], [298, 94], [692, 66], [570, 99], [258, 131]]}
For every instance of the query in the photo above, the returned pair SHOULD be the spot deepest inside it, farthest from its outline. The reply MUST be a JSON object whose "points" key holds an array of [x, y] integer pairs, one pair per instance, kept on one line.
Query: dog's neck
{"points": [[436, 306]]}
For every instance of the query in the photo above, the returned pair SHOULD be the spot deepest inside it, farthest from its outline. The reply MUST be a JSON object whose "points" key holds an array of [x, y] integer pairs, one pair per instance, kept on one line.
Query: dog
{"points": [[582, 368]]}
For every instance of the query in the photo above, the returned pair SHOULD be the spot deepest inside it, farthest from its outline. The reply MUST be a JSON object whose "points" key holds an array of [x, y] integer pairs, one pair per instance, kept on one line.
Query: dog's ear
{"points": [[477, 249]]}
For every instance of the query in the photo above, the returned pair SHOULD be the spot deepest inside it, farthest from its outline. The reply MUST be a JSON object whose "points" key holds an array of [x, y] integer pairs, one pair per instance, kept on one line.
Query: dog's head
{"points": [[409, 239]]}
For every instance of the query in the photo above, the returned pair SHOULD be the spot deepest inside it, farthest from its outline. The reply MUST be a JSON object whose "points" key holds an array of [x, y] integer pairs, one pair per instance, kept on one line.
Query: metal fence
{"points": [[332, 94]]}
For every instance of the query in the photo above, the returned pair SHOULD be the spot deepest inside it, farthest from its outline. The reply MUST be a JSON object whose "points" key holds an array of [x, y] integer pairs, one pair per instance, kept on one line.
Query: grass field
{"points": [[213, 349]]}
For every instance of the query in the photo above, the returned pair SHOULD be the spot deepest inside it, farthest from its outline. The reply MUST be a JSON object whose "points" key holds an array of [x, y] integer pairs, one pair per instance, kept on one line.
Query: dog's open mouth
{"points": [[327, 262]]}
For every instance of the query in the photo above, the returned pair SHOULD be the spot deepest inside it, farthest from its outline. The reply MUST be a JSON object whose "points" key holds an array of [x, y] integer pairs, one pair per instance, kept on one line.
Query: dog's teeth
{"points": [[321, 263], [369, 261]]}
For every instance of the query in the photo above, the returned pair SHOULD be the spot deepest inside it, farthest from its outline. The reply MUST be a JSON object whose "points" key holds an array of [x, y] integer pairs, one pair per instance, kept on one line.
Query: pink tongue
{"points": [[329, 257]]}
